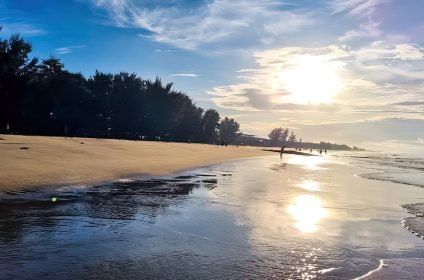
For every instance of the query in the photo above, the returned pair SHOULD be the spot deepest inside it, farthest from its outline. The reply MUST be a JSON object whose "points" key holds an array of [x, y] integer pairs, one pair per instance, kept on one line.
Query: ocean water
{"points": [[331, 217], [398, 168], [406, 169]]}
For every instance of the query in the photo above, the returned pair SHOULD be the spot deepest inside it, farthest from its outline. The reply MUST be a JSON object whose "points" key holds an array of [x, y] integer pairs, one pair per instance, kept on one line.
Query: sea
{"points": [[342, 215]]}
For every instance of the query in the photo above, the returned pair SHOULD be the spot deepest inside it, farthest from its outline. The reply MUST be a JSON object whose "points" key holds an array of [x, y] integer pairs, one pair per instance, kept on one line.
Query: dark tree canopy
{"points": [[228, 131], [44, 98], [16, 70], [292, 137], [278, 136], [210, 124]]}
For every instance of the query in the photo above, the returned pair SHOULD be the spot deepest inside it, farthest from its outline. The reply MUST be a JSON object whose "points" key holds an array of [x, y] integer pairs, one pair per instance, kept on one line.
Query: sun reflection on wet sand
{"points": [[307, 212], [310, 163], [309, 185]]}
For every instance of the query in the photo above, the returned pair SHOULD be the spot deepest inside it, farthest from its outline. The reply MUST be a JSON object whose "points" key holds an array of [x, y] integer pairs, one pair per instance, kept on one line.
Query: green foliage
{"points": [[278, 136], [228, 131], [45, 99], [16, 69], [210, 124]]}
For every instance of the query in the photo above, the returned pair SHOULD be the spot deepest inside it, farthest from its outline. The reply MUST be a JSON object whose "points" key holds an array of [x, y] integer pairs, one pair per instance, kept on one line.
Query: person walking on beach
{"points": [[282, 151]]}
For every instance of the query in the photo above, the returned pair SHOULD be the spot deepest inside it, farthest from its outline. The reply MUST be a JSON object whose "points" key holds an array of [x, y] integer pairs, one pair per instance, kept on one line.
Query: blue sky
{"points": [[349, 71]]}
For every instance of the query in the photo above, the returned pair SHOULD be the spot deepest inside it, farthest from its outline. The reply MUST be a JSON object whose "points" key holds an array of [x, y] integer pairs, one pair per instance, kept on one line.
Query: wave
{"points": [[399, 169], [386, 177], [380, 266], [394, 168], [414, 224]]}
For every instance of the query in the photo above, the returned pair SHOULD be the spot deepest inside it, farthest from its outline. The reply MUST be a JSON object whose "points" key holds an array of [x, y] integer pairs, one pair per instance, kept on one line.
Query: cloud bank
{"points": [[389, 75], [208, 23]]}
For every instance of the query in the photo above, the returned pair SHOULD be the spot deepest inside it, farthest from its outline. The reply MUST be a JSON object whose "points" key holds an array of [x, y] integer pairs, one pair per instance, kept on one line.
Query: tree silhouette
{"points": [[210, 123], [278, 136], [292, 137], [16, 70], [228, 130], [44, 98], [275, 136]]}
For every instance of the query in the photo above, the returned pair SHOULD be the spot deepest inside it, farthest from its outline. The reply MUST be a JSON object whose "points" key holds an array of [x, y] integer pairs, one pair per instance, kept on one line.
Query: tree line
{"points": [[281, 136], [40, 97], [284, 137]]}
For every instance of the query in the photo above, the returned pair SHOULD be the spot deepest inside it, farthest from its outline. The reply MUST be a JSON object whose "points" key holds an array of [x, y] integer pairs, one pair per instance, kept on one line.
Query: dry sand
{"points": [[57, 161]]}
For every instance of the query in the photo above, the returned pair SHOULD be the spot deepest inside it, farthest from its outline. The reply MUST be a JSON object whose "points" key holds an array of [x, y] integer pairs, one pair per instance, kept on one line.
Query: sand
{"points": [[27, 161]]}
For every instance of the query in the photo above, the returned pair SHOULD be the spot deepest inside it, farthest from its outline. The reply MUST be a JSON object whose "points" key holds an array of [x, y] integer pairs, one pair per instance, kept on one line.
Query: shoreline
{"points": [[396, 268], [266, 180], [49, 162], [291, 152]]}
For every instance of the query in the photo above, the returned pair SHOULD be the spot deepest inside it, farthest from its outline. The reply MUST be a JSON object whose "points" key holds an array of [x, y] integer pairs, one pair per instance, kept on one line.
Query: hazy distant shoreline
{"points": [[29, 161]]}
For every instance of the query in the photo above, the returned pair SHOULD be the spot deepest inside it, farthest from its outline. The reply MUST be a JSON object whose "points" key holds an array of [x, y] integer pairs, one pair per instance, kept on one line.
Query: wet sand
{"points": [[415, 224], [28, 161], [411, 268], [261, 218]]}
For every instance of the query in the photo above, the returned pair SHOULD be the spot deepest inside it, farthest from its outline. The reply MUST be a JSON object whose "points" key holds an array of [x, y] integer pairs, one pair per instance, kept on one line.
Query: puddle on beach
{"points": [[121, 200], [252, 219]]}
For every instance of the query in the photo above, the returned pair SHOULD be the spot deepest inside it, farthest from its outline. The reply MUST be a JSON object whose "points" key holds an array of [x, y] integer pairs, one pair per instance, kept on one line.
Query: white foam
{"points": [[372, 271]]}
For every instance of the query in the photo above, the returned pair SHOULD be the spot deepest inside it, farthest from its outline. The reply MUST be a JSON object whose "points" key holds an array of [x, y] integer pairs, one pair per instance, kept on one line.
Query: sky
{"points": [[347, 71]]}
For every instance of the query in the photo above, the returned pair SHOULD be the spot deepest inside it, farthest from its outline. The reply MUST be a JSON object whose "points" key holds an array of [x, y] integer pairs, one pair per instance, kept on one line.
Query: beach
{"points": [[28, 161], [219, 139], [265, 217]]}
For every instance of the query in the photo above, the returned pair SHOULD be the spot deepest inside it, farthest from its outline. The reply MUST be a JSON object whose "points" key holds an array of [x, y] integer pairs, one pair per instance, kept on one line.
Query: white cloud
{"points": [[24, 29], [263, 88], [374, 78], [370, 29], [68, 49], [216, 21], [383, 62], [409, 52], [361, 8], [381, 50], [164, 50], [189, 75]]}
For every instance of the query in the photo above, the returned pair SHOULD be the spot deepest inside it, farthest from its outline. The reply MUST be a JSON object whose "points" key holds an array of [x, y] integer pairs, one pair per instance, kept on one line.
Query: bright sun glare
{"points": [[307, 212], [311, 79]]}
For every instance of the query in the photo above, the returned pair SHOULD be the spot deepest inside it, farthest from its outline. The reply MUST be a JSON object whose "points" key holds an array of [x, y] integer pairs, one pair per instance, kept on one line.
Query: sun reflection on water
{"points": [[310, 185], [310, 163], [307, 212]]}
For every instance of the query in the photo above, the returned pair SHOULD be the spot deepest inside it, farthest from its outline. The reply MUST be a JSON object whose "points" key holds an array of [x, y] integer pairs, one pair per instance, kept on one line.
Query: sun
{"points": [[311, 80]]}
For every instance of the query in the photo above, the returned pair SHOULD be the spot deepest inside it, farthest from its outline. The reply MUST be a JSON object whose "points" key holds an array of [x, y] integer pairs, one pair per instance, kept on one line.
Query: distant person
{"points": [[325, 151], [282, 151], [66, 130], [310, 151], [320, 151]]}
